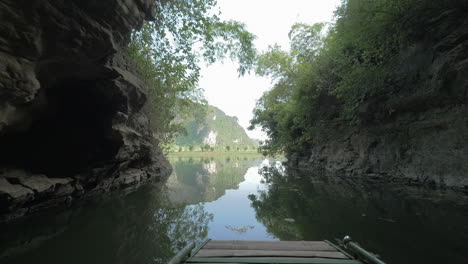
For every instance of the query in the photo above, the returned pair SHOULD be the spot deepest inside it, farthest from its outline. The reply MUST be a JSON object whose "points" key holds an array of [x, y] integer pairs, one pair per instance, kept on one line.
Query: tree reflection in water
{"points": [[206, 179], [403, 224], [142, 227], [146, 226], [277, 203]]}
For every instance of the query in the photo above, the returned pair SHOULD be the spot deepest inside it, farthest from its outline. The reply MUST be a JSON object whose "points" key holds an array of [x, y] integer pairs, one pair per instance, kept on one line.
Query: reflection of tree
{"points": [[142, 227], [184, 229], [166, 229], [393, 222], [276, 204], [208, 179], [145, 226]]}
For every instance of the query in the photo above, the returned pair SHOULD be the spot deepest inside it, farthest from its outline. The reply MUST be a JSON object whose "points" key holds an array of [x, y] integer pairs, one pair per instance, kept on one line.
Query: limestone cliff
{"points": [[424, 139], [70, 105], [217, 129]]}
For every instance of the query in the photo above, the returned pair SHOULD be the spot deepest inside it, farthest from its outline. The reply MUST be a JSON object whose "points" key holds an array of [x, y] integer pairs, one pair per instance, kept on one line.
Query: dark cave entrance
{"points": [[71, 132]]}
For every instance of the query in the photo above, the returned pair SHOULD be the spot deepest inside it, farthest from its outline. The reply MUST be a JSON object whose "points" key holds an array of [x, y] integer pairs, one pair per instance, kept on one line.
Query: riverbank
{"points": [[214, 153], [424, 149]]}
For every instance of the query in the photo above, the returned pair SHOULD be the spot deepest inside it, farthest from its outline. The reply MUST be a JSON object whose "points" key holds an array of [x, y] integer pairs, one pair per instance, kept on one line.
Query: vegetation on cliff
{"points": [[352, 71], [168, 50], [215, 129]]}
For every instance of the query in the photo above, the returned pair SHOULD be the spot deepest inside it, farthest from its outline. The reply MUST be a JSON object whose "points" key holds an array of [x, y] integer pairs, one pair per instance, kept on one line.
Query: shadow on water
{"points": [[403, 225], [142, 227]]}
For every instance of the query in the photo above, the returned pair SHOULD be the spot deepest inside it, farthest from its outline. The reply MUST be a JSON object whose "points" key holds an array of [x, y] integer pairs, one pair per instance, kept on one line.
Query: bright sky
{"points": [[270, 21]]}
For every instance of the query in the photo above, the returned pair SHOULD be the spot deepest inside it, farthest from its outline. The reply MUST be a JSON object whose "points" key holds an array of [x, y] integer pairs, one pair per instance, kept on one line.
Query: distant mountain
{"points": [[218, 129]]}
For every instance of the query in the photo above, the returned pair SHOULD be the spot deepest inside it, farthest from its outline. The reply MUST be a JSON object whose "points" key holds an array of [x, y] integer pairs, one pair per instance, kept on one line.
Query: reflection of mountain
{"points": [[196, 180], [400, 224], [146, 226]]}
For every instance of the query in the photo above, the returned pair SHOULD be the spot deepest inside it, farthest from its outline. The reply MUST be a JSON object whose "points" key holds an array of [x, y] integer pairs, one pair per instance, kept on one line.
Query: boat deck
{"points": [[318, 252]]}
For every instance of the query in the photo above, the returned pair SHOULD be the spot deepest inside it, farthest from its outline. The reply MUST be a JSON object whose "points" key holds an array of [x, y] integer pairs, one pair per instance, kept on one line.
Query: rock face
{"points": [[425, 140], [217, 129], [423, 151], [70, 105]]}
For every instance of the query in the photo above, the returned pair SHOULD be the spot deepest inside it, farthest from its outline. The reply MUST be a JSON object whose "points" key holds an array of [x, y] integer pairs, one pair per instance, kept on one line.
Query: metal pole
{"points": [[182, 255], [366, 255]]}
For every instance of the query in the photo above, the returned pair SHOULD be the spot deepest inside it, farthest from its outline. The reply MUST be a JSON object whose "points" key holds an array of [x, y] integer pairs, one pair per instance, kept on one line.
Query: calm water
{"points": [[245, 199]]}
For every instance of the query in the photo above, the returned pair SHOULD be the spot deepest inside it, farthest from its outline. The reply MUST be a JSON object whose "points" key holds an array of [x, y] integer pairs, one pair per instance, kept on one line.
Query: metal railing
{"points": [[361, 253]]}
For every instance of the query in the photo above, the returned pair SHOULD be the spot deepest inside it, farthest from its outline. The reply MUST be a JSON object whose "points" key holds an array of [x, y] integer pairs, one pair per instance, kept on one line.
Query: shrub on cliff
{"points": [[347, 71]]}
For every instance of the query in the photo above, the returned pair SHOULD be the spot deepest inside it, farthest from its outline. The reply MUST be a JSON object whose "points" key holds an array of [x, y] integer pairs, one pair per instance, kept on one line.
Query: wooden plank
{"points": [[272, 261], [269, 253], [270, 245]]}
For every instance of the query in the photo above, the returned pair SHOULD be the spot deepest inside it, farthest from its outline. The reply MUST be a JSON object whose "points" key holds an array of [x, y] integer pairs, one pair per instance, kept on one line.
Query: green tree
{"points": [[167, 53], [191, 148], [228, 148], [347, 72], [279, 111], [306, 40], [205, 147]]}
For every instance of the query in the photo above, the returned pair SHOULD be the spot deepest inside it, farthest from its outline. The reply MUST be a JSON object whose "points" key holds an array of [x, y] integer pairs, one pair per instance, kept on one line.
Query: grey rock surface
{"points": [[424, 141], [71, 124], [423, 150]]}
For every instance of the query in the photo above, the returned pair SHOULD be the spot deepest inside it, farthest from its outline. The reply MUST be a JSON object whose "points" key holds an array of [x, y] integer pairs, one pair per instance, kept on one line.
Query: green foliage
{"points": [[168, 50], [205, 147], [346, 71], [280, 111], [306, 40]]}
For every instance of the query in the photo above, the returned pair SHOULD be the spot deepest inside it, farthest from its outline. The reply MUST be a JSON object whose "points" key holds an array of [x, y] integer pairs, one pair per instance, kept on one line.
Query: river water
{"points": [[244, 198]]}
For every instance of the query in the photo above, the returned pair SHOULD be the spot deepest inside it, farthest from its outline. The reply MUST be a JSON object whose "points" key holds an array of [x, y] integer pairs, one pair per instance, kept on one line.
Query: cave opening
{"points": [[72, 132]]}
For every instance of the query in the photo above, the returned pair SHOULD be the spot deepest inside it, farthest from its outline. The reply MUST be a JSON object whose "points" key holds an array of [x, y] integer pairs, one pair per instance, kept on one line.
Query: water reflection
{"points": [[143, 227], [404, 225], [146, 226], [222, 184], [226, 198], [205, 179]]}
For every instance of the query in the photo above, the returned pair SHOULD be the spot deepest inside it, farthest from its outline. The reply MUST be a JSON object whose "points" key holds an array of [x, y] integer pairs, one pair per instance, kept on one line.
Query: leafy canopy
{"points": [[277, 111], [168, 51], [348, 71]]}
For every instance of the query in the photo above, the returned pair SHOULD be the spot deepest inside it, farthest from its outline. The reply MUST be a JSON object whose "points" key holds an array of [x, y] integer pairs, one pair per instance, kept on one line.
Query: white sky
{"points": [[270, 21]]}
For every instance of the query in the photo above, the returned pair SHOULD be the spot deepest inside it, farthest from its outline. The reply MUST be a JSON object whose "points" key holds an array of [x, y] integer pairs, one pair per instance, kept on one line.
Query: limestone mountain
{"points": [[217, 129]]}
